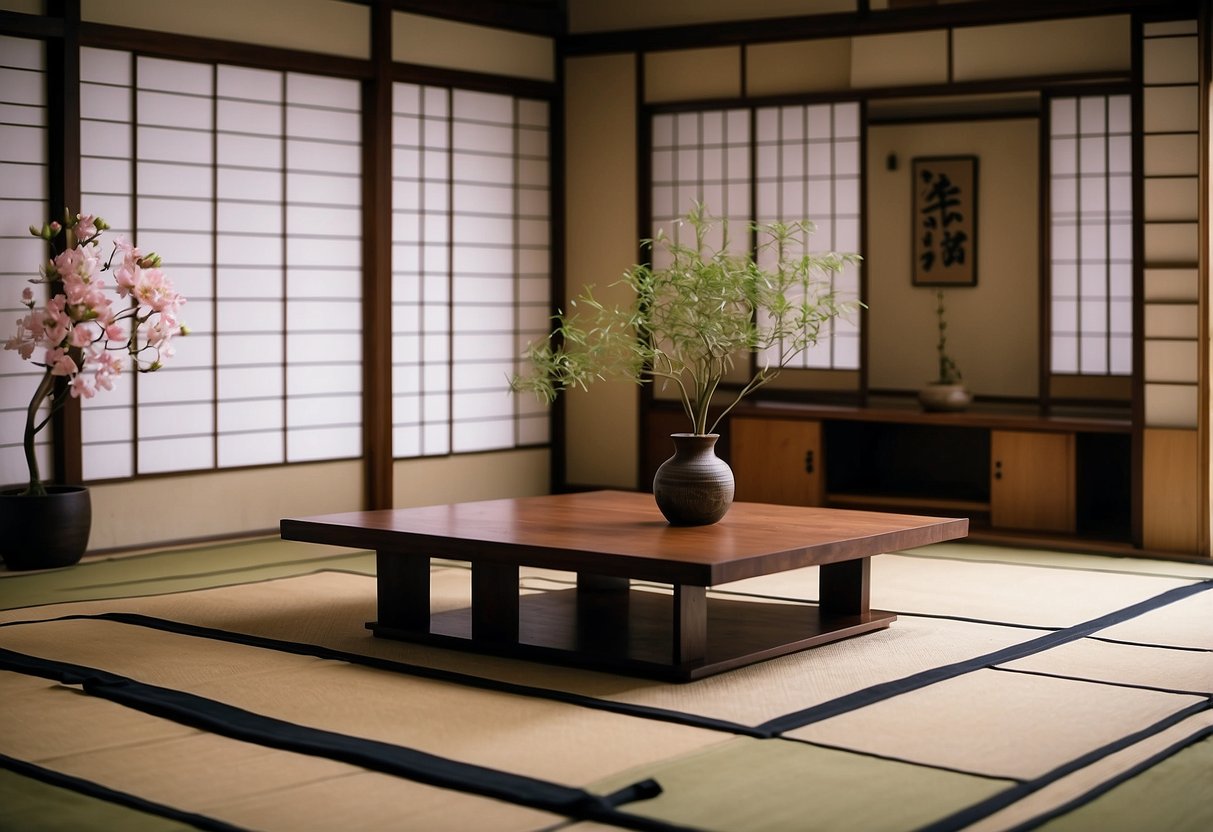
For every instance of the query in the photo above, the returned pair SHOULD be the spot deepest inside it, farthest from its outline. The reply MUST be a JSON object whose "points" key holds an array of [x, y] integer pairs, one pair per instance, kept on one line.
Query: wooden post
{"points": [[844, 588], [404, 591], [495, 602], [690, 623]]}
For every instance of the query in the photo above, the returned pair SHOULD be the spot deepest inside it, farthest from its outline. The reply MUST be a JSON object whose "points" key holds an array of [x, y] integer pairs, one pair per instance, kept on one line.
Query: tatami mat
{"points": [[978, 708], [998, 724], [769, 785], [236, 782]]}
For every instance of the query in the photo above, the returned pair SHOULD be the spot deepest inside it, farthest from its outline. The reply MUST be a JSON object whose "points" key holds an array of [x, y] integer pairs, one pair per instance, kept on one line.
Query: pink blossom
{"points": [[23, 342], [55, 321], [154, 292], [80, 387], [80, 336], [78, 263], [86, 226], [108, 368], [61, 363]]}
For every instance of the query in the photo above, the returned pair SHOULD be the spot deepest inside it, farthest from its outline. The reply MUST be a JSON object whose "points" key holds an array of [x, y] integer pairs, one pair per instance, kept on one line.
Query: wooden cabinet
{"points": [[1032, 481], [777, 460], [1067, 478]]}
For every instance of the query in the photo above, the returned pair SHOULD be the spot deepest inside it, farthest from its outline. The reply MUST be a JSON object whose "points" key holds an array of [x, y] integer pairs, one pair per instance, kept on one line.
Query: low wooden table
{"points": [[608, 539]]}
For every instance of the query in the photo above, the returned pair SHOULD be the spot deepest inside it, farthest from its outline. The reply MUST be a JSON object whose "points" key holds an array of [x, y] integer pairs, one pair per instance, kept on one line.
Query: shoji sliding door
{"points": [[247, 183], [471, 282], [23, 202]]}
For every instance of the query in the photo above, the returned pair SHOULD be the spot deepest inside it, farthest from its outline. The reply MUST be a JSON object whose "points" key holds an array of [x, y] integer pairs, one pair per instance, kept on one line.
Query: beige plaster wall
{"points": [[993, 328], [158, 510], [431, 41], [162, 510], [601, 243], [327, 26], [484, 476], [614, 15]]}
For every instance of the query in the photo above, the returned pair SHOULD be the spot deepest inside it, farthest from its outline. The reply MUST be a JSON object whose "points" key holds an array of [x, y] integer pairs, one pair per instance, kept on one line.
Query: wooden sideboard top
{"points": [[999, 417]]}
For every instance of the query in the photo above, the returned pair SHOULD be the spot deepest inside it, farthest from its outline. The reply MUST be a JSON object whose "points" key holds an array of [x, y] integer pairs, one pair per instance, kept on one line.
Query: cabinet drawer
{"points": [[777, 461], [1032, 481]]}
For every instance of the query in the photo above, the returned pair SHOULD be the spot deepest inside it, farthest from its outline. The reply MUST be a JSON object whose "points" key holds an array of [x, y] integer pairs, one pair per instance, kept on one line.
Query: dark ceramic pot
{"points": [[45, 532], [694, 487]]}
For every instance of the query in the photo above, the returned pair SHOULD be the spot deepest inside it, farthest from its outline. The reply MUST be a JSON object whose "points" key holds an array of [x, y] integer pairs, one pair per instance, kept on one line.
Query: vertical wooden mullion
{"points": [[1078, 225], [63, 180], [516, 308], [555, 266], [282, 275], [752, 243], [701, 149], [1044, 367], [1204, 394], [422, 209], [215, 265], [778, 148], [1137, 404], [833, 220], [644, 228], [450, 270], [1107, 229], [861, 202], [377, 263], [135, 235], [724, 163], [808, 183]]}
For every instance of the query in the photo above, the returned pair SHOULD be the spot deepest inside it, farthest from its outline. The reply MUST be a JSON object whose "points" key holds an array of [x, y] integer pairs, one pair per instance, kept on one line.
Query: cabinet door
{"points": [[777, 461], [1032, 481]]}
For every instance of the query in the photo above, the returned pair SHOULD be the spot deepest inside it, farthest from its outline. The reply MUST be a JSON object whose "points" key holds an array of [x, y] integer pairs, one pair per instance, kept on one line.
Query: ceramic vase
{"points": [[694, 487], [944, 397], [45, 532]]}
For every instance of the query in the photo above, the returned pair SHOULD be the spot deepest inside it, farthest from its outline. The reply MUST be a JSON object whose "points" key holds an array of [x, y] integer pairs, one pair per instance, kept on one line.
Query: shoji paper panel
{"points": [[471, 276], [23, 202], [808, 167], [249, 279], [323, 301], [701, 156], [247, 182], [1091, 218], [1172, 239]]}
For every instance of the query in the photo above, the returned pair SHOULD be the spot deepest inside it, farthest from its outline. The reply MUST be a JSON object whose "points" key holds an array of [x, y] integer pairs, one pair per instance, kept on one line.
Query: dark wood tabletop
{"points": [[623, 534]]}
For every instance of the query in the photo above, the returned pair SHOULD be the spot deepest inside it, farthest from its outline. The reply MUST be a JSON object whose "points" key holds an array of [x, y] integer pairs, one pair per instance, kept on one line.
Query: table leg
{"points": [[588, 581], [495, 602], [404, 590], [844, 588], [690, 623], [603, 611]]}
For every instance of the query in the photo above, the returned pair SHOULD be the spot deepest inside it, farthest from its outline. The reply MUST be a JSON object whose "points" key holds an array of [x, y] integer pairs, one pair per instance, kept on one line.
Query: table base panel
{"points": [[633, 632]]}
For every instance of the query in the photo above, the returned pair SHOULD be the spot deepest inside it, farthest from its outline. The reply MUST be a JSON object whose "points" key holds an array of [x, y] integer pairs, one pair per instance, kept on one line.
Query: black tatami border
{"points": [[400, 761], [130, 801], [116, 688]]}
